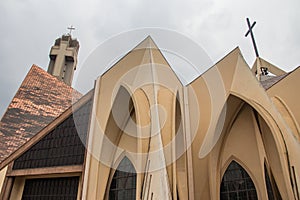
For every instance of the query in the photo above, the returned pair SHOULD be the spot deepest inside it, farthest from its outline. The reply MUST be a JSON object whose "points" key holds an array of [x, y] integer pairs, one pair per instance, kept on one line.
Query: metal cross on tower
{"points": [[71, 28], [252, 36]]}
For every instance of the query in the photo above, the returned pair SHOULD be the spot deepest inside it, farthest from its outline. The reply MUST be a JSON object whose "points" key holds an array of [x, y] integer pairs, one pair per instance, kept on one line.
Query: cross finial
{"points": [[71, 28], [252, 36]]}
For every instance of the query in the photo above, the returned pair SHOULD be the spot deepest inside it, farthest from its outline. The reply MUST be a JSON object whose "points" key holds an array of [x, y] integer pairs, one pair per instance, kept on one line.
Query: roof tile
{"points": [[40, 99]]}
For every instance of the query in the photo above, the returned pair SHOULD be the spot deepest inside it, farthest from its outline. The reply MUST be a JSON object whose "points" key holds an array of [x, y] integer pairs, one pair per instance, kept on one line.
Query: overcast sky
{"points": [[29, 28]]}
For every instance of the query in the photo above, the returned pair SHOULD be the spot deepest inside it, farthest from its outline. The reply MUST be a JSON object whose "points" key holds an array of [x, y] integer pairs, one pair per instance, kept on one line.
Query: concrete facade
{"points": [[224, 115], [181, 139]]}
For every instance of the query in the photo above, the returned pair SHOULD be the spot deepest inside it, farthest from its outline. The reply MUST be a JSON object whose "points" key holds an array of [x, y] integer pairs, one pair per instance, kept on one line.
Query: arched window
{"points": [[237, 184], [123, 184]]}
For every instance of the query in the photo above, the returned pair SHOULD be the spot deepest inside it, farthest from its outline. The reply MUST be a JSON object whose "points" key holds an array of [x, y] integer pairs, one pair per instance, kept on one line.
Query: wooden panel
{"points": [[46, 171]]}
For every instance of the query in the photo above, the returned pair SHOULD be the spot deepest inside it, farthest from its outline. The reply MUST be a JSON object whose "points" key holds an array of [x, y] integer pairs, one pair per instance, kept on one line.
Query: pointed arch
{"points": [[272, 140], [121, 120], [237, 184], [123, 184]]}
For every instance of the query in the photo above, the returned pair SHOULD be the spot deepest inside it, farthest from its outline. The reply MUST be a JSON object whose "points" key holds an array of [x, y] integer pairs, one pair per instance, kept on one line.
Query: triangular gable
{"points": [[230, 76], [74, 120], [146, 53], [213, 89]]}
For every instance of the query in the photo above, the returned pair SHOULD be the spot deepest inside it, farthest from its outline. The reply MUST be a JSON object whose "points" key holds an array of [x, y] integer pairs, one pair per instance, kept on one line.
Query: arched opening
{"points": [[237, 184], [272, 189], [123, 184], [180, 150], [245, 120], [268, 185], [120, 125]]}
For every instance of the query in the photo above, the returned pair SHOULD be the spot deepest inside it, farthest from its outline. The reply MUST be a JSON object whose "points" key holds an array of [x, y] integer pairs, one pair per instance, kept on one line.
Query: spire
{"points": [[63, 58]]}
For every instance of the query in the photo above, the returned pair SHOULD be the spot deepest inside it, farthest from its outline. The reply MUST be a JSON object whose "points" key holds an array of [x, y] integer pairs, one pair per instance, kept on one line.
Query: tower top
{"points": [[63, 58]]}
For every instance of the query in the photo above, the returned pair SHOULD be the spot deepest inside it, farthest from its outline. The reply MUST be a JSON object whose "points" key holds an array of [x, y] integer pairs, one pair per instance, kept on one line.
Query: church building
{"points": [[231, 133]]}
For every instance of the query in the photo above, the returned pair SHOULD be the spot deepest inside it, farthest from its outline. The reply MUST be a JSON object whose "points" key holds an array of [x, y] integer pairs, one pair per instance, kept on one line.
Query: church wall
{"points": [[138, 82], [289, 96], [206, 98], [243, 85], [131, 144], [287, 103], [109, 87], [272, 157], [99, 174], [251, 144], [287, 116]]}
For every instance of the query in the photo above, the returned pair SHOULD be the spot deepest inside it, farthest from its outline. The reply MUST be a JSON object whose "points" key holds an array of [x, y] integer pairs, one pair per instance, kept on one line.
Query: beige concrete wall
{"points": [[2, 177], [286, 89], [286, 99], [229, 84]]}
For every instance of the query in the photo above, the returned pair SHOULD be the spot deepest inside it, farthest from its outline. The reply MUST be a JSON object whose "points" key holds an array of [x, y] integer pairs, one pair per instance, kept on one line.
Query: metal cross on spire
{"points": [[252, 36], [71, 28]]}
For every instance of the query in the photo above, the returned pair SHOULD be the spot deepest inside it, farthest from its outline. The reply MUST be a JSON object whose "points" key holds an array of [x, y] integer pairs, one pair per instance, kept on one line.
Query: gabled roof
{"points": [[40, 99]]}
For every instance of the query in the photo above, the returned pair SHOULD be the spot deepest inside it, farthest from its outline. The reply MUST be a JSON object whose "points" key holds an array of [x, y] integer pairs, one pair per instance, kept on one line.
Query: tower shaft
{"points": [[63, 58]]}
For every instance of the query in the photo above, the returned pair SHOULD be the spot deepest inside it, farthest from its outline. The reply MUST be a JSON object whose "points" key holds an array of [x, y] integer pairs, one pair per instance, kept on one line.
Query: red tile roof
{"points": [[40, 99]]}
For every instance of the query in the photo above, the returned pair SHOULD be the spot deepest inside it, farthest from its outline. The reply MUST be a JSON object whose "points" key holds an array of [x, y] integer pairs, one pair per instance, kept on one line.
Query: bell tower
{"points": [[63, 58]]}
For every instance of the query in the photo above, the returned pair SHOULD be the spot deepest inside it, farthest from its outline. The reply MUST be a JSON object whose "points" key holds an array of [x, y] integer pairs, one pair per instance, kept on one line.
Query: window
{"points": [[123, 184], [51, 188], [237, 184], [60, 147]]}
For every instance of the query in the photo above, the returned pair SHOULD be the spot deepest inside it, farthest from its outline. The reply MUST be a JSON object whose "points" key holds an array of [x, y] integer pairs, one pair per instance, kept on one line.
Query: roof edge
{"points": [[236, 49]]}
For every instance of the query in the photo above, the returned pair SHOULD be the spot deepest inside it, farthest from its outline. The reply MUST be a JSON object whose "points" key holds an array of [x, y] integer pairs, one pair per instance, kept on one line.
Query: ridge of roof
{"points": [[40, 98]]}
